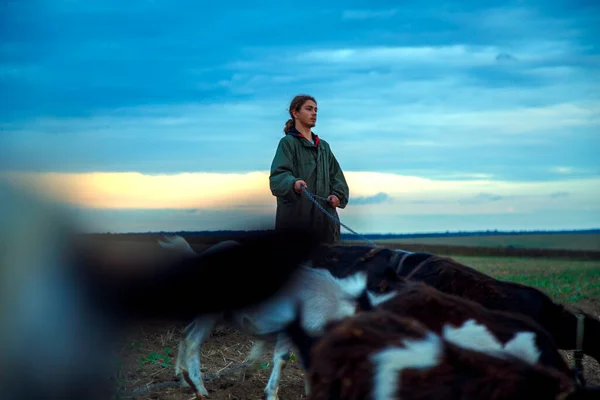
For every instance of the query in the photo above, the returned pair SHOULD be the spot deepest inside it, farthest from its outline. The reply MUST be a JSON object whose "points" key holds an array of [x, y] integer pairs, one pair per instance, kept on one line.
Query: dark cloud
{"points": [[488, 197], [483, 198], [74, 58], [375, 199], [92, 57], [505, 57]]}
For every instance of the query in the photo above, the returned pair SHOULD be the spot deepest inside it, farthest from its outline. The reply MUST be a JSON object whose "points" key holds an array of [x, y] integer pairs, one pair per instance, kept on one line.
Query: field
{"points": [[579, 246], [147, 353], [570, 241]]}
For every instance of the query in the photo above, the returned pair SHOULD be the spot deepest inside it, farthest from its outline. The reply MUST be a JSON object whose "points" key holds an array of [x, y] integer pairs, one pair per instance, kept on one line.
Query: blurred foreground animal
{"points": [[64, 299]]}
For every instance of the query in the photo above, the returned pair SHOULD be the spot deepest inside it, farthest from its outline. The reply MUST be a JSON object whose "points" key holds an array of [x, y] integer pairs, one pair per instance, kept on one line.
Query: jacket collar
{"points": [[295, 133]]}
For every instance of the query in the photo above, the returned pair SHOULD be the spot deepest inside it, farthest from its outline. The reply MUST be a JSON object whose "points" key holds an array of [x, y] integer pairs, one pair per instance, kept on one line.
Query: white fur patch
{"points": [[389, 363], [472, 336], [355, 284], [377, 299], [523, 346], [321, 296]]}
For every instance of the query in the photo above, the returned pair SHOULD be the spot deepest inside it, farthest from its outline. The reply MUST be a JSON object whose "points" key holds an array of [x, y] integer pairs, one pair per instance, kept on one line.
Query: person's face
{"points": [[307, 114]]}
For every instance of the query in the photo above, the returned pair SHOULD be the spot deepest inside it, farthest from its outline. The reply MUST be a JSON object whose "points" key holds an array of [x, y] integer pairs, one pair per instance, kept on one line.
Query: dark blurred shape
{"points": [[64, 300], [208, 283]]}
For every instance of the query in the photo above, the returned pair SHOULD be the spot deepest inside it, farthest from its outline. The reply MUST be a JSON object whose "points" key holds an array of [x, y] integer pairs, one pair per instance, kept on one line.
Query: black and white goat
{"points": [[322, 298], [64, 299]]}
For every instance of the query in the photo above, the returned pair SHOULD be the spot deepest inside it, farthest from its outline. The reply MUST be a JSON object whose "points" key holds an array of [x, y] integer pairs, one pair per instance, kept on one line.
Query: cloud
{"points": [[121, 202], [140, 203], [418, 139], [368, 14], [563, 170], [374, 199], [488, 197], [505, 57], [201, 191], [443, 93], [94, 57], [197, 191], [559, 194], [374, 57], [554, 21]]}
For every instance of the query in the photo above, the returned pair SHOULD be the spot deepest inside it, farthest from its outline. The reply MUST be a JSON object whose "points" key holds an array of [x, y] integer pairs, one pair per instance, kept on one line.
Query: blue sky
{"points": [[150, 115]]}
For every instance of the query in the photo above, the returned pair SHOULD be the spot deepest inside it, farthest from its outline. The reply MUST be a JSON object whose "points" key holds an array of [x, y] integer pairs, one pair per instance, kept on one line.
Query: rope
{"points": [[313, 198]]}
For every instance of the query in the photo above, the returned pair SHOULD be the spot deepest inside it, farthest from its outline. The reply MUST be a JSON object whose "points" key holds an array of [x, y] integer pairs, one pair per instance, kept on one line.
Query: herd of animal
{"points": [[387, 324], [367, 323]]}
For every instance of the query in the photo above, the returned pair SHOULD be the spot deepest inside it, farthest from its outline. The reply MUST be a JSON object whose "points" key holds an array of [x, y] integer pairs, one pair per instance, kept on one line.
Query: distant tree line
{"points": [[206, 238], [488, 232], [372, 236]]}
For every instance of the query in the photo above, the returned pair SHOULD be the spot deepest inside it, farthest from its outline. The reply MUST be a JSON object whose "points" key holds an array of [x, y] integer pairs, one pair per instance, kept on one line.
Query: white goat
{"points": [[321, 297]]}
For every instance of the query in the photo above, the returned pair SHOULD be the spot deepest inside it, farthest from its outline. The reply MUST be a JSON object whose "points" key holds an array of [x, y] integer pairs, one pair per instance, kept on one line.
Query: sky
{"points": [[445, 116]]}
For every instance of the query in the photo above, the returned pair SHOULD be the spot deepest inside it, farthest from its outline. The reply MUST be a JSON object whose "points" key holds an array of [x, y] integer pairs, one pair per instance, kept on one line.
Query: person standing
{"points": [[304, 160]]}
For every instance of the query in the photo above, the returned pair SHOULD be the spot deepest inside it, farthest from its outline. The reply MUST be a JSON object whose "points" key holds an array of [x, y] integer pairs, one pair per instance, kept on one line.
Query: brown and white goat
{"points": [[381, 356], [384, 266], [450, 276], [438, 311]]}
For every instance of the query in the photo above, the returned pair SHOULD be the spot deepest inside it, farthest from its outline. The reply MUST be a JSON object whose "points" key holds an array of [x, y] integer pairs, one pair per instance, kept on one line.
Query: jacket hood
{"points": [[295, 133]]}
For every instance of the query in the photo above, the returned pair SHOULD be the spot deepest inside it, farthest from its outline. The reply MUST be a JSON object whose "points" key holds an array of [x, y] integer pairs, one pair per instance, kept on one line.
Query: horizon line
{"points": [[459, 232]]}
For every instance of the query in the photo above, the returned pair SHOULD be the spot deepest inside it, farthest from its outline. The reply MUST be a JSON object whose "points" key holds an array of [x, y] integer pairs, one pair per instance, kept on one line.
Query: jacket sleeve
{"points": [[281, 178], [339, 186]]}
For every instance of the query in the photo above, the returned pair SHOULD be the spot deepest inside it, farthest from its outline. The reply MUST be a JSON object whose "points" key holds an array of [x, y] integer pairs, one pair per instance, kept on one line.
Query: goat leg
{"points": [[306, 385], [188, 360], [281, 354], [188, 380], [256, 354]]}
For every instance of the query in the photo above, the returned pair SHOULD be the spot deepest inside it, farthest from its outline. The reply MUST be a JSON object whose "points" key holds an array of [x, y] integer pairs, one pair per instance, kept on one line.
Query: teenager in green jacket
{"points": [[303, 160]]}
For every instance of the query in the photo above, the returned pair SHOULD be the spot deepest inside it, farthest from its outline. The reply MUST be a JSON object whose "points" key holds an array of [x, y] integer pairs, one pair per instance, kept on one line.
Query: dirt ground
{"points": [[148, 355], [225, 349]]}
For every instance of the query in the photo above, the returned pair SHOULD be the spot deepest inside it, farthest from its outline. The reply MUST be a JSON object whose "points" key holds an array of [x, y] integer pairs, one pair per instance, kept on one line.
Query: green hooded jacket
{"points": [[298, 159]]}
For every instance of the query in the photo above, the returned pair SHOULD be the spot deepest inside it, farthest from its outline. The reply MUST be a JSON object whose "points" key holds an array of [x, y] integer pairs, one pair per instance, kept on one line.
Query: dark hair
{"points": [[297, 102]]}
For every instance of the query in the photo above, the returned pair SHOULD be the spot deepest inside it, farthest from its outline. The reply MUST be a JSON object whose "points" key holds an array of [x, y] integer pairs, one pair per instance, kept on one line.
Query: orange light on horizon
{"points": [[223, 191]]}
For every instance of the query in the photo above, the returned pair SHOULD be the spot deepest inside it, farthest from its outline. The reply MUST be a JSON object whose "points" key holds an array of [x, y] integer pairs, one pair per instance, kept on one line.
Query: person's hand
{"points": [[298, 185], [333, 200]]}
